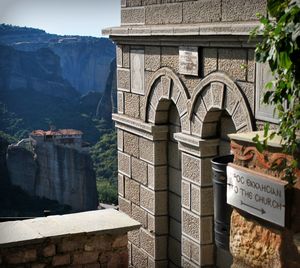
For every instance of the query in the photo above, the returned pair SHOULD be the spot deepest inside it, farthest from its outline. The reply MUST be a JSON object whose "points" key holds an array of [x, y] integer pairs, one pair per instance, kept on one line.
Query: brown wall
{"points": [[73, 251]]}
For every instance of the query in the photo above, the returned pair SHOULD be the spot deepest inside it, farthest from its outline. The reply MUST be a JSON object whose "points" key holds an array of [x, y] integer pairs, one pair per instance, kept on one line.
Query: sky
{"points": [[65, 17]]}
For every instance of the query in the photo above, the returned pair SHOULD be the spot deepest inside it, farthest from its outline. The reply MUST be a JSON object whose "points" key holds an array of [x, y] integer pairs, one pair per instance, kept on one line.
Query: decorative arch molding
{"points": [[164, 87], [216, 92]]}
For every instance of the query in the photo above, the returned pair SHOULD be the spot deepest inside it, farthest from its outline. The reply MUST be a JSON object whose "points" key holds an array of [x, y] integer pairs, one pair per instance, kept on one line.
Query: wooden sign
{"points": [[188, 61], [258, 194]]}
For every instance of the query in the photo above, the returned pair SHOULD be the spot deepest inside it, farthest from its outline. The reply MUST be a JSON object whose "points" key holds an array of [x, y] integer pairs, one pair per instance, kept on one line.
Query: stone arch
{"points": [[165, 87], [215, 93], [166, 104]]}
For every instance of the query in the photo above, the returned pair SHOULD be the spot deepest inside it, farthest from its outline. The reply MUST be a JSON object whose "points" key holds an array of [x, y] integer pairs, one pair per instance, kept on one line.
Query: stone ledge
{"points": [[220, 28], [140, 128], [196, 146], [248, 136], [195, 141], [107, 221]]}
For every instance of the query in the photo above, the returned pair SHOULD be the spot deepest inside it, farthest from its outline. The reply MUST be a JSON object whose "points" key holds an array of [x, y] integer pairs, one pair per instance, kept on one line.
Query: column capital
{"points": [[197, 146], [140, 128]]}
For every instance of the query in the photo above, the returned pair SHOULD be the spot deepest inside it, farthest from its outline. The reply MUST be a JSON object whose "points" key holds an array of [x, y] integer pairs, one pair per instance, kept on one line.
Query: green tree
{"points": [[107, 192], [104, 156], [280, 48]]}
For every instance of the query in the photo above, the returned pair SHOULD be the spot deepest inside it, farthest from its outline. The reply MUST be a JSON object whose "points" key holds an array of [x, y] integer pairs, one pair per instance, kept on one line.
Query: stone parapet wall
{"points": [[76, 250], [87, 239], [160, 12]]}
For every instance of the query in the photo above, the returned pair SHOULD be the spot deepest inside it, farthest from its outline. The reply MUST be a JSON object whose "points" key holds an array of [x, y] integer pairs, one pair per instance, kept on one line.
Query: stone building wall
{"points": [[143, 163], [155, 12], [219, 100]]}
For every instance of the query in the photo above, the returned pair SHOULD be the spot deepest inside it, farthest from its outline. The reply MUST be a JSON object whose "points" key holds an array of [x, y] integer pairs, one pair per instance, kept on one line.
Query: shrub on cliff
{"points": [[104, 156]]}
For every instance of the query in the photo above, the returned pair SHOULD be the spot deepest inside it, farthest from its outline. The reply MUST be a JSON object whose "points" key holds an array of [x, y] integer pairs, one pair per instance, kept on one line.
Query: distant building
{"points": [[61, 136], [55, 164]]}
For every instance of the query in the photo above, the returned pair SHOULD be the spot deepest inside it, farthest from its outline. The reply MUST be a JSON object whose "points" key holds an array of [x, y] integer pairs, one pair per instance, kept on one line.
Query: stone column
{"points": [[142, 163], [197, 200]]}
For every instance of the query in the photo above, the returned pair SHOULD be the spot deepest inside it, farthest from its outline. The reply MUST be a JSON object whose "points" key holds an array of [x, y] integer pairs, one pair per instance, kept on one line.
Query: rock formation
{"points": [[47, 79], [57, 169], [38, 70], [84, 61]]}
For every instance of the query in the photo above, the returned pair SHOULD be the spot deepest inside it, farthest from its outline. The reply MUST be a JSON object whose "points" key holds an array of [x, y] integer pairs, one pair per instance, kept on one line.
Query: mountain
{"points": [[84, 60], [62, 81], [38, 70]]}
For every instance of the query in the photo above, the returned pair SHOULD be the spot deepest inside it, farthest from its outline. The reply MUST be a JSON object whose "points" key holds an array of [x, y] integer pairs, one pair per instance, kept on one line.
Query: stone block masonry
{"points": [[155, 12], [67, 241], [96, 250], [149, 180], [170, 124]]}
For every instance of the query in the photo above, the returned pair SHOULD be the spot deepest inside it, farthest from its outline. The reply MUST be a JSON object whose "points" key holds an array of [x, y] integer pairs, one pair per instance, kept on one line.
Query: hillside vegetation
{"points": [[48, 81]]}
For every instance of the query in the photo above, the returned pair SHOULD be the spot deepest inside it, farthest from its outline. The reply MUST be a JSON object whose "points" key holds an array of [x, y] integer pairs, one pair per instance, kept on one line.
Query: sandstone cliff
{"points": [[22, 167], [38, 70], [55, 172], [47, 79], [84, 61]]}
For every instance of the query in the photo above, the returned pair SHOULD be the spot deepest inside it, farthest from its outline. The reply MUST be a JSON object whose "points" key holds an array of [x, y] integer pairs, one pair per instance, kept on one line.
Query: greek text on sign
{"points": [[188, 60], [258, 194]]}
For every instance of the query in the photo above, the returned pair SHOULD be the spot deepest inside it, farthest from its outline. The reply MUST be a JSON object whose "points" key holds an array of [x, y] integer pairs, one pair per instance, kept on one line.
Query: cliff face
{"points": [[47, 79], [108, 102], [36, 70], [22, 168], [55, 172], [84, 61]]}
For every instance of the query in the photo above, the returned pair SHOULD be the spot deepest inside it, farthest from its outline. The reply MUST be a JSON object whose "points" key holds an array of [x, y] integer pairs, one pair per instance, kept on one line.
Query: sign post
{"points": [[258, 194]]}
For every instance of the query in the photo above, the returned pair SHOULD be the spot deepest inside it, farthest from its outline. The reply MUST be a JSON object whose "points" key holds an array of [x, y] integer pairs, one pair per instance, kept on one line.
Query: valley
{"points": [[48, 82]]}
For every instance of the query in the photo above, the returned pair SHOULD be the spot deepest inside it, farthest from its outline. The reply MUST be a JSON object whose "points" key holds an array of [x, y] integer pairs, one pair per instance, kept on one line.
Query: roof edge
{"points": [[202, 29]]}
